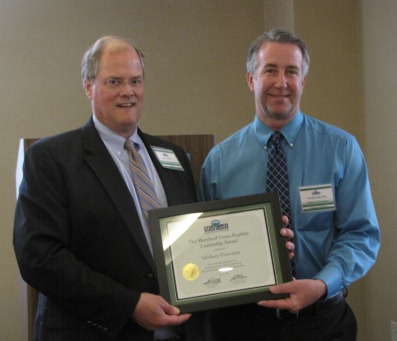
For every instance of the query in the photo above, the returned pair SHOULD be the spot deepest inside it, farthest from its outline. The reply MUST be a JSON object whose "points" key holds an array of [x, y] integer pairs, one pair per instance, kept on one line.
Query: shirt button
{"points": [[150, 276]]}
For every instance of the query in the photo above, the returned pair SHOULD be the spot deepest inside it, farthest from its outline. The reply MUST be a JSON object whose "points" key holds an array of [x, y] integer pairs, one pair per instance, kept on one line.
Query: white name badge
{"points": [[317, 198], [167, 158]]}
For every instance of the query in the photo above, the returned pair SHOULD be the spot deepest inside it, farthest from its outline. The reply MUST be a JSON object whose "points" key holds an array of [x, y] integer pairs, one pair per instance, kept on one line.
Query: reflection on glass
{"points": [[179, 228]]}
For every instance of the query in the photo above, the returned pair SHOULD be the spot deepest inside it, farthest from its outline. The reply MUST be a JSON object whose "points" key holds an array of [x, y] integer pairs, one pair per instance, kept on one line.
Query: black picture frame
{"points": [[187, 277]]}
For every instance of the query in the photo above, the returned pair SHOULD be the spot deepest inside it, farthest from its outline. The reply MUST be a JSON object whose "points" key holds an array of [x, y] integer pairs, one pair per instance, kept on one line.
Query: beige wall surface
{"points": [[379, 41], [333, 91], [195, 59]]}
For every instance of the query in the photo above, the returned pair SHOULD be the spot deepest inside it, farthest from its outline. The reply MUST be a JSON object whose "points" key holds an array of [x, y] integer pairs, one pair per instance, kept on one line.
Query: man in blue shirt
{"points": [[332, 213]]}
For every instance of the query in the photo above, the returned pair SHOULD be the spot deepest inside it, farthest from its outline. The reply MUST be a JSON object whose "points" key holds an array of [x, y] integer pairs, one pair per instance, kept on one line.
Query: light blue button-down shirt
{"points": [[338, 246]]}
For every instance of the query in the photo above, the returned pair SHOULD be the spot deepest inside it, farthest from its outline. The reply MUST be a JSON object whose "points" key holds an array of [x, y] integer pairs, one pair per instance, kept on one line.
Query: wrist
{"points": [[321, 289]]}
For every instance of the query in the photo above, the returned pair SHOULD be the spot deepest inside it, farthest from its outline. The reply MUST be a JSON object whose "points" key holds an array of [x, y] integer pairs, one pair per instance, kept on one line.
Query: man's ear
{"points": [[88, 88], [250, 80], [304, 81]]}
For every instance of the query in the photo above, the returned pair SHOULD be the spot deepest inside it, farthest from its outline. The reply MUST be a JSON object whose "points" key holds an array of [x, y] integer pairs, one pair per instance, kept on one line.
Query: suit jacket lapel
{"points": [[99, 159], [165, 180]]}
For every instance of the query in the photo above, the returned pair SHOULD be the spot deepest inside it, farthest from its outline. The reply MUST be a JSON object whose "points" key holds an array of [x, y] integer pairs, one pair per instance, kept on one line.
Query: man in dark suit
{"points": [[80, 236]]}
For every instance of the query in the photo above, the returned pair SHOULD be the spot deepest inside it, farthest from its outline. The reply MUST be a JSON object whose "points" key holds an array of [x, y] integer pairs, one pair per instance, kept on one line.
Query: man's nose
{"points": [[281, 80], [127, 89]]}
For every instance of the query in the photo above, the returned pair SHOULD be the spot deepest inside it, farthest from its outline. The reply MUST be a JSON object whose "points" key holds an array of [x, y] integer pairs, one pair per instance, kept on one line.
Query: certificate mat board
{"points": [[219, 253]]}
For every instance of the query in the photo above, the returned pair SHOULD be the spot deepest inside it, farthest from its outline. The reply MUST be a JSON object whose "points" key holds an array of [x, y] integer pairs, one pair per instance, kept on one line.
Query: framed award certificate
{"points": [[219, 253]]}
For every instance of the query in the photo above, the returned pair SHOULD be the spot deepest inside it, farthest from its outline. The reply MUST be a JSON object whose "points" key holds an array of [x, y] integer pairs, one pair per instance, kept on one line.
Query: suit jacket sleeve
{"points": [[49, 255]]}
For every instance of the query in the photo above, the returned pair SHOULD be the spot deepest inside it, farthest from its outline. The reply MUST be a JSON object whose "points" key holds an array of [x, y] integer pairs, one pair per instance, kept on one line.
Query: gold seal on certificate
{"points": [[190, 272]]}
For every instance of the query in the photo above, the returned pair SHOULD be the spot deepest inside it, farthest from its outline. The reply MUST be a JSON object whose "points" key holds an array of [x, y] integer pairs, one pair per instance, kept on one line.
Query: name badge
{"points": [[317, 198], [167, 158]]}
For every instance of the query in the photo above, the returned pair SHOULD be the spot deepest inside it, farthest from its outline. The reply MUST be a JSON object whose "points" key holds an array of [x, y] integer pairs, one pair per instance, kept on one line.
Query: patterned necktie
{"points": [[143, 184], [277, 179]]}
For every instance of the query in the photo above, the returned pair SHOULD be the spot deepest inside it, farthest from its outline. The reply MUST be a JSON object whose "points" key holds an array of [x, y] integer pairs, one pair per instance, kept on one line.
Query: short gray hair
{"points": [[278, 35], [91, 59]]}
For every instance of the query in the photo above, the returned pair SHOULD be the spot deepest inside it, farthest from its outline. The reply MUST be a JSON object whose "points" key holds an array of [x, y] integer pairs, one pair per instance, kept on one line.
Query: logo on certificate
{"points": [[216, 226]]}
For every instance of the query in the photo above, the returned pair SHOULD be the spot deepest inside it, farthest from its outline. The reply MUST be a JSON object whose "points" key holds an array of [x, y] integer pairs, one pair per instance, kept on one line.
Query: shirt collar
{"points": [[113, 140], [290, 131], [137, 140]]}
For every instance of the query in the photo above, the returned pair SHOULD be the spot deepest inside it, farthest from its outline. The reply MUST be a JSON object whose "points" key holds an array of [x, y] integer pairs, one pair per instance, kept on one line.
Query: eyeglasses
{"points": [[118, 83]]}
